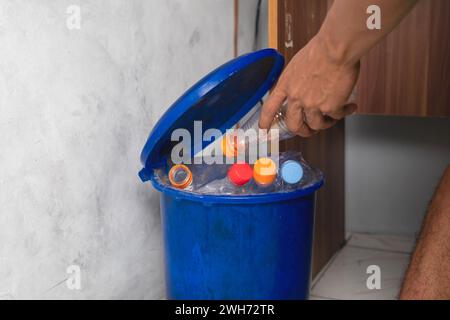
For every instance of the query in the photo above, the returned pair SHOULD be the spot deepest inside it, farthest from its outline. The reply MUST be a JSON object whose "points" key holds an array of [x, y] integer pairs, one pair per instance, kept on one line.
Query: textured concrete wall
{"points": [[76, 106]]}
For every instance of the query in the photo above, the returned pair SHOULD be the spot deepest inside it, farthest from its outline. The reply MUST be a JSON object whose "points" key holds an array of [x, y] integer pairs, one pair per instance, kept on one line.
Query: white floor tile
{"points": [[382, 242], [346, 277]]}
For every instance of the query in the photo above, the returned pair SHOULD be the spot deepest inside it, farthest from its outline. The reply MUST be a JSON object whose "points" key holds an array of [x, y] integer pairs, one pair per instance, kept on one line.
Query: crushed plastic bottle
{"points": [[307, 175], [180, 177], [293, 173], [240, 174], [264, 176], [264, 171], [198, 175], [235, 182]]}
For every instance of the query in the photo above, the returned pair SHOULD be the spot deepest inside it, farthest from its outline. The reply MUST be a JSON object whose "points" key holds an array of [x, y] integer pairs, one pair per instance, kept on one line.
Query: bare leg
{"points": [[428, 275]]}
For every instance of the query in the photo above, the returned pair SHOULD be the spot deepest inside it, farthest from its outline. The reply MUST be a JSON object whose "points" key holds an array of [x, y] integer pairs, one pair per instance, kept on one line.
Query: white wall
{"points": [[76, 107], [247, 19], [392, 167]]}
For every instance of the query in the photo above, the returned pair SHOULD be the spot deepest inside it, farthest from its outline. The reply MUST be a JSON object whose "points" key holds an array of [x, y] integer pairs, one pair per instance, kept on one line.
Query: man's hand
{"points": [[319, 79], [316, 87]]}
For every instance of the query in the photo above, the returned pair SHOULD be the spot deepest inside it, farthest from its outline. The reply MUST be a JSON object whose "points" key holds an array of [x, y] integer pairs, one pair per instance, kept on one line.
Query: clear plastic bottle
{"points": [[191, 177], [291, 173], [236, 181], [220, 186], [265, 178], [305, 176], [250, 133], [180, 177]]}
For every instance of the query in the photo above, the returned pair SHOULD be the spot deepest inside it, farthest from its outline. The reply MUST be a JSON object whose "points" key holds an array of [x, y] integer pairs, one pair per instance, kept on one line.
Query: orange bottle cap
{"points": [[180, 176], [229, 147], [264, 171]]}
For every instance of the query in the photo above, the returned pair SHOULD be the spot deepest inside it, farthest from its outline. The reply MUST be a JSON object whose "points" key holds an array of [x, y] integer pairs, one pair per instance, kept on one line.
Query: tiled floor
{"points": [[346, 275]]}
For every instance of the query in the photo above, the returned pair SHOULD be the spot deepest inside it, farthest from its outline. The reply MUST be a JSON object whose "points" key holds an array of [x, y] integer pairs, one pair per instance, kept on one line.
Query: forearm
{"points": [[428, 276], [345, 34]]}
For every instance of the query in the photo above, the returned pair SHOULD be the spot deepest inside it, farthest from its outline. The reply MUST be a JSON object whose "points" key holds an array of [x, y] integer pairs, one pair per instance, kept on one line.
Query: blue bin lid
{"points": [[219, 100]]}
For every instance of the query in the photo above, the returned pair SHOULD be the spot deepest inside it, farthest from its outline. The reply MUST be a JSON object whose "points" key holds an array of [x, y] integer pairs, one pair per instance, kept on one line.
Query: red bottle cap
{"points": [[240, 173]]}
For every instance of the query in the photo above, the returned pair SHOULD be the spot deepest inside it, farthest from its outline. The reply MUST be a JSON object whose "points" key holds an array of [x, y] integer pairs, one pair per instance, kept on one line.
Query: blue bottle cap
{"points": [[291, 172]]}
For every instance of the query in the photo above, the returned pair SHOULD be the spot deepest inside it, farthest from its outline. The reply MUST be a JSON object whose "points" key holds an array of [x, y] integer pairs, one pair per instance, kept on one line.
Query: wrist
{"points": [[336, 52]]}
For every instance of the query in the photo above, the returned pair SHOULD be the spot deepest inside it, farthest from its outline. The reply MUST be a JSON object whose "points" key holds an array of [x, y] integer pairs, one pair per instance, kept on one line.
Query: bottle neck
{"points": [[278, 123]]}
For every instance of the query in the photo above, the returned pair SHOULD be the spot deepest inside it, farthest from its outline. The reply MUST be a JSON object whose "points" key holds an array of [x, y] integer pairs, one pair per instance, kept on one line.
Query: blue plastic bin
{"points": [[248, 247], [230, 247]]}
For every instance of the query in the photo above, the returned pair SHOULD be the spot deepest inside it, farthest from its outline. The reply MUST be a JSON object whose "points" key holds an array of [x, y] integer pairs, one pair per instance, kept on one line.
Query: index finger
{"points": [[270, 108]]}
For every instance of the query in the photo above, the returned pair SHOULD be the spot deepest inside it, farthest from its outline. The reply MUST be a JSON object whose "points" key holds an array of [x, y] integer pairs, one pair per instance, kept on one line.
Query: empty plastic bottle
{"points": [[232, 143], [192, 177], [240, 174], [264, 176], [305, 176], [291, 172], [235, 182], [180, 176]]}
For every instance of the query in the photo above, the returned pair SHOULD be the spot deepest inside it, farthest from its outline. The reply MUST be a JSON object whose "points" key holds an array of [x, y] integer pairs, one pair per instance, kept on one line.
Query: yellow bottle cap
{"points": [[180, 176], [264, 171]]}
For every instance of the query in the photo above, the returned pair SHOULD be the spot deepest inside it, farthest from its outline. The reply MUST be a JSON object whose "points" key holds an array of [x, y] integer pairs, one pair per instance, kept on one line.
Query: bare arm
{"points": [[320, 78]]}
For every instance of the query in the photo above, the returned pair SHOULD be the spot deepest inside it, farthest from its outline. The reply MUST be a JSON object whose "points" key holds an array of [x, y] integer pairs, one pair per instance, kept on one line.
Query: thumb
{"points": [[350, 108], [270, 108], [343, 111]]}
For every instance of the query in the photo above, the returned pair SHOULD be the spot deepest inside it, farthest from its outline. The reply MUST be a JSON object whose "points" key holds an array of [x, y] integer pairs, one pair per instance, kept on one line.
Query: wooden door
{"points": [[408, 73], [291, 24]]}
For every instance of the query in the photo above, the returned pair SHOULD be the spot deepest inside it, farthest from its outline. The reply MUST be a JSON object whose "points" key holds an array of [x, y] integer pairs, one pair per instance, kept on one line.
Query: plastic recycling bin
{"points": [[221, 246]]}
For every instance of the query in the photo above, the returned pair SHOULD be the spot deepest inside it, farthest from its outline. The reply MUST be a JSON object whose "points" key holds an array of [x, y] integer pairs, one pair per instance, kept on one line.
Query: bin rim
{"points": [[238, 199]]}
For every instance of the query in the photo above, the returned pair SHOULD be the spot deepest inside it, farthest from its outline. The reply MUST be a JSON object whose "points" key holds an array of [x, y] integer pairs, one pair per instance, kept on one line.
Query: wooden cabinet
{"points": [[292, 23], [408, 73]]}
